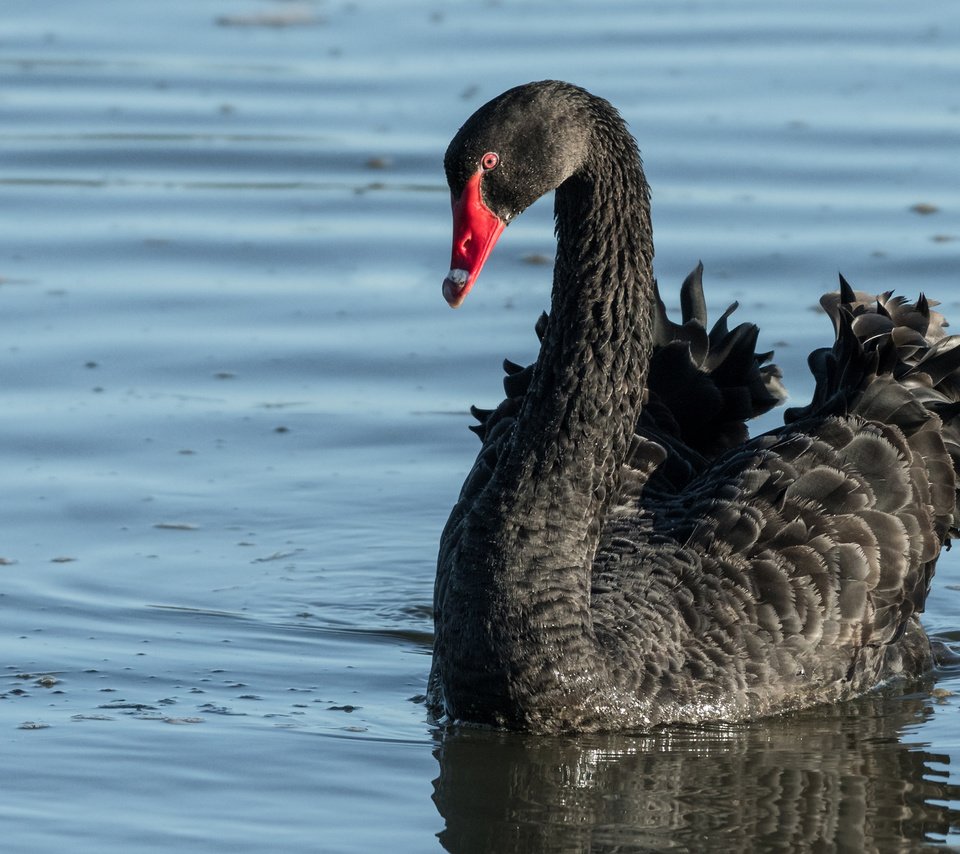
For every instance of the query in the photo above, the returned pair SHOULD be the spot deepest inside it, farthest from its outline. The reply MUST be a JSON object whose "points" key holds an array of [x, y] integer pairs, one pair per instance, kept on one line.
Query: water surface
{"points": [[235, 408]]}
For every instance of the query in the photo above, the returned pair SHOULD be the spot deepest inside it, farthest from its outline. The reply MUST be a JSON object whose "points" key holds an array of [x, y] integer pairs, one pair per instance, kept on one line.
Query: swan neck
{"points": [[578, 417], [592, 367]]}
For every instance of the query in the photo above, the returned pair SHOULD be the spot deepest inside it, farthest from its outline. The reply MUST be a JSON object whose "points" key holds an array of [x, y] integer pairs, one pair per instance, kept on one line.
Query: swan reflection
{"points": [[844, 778]]}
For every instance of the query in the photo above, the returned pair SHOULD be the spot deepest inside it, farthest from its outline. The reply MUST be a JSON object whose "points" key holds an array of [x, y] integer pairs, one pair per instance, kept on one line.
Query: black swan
{"points": [[622, 555]]}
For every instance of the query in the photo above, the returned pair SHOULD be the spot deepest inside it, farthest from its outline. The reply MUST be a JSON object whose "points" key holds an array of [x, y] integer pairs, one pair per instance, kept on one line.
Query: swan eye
{"points": [[489, 161]]}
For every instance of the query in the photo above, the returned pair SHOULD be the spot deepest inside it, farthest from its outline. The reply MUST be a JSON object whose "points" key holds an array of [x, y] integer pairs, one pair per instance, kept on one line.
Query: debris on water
{"points": [[536, 258], [277, 556], [33, 725], [47, 681], [176, 526], [295, 15], [124, 706], [924, 208], [62, 559], [212, 709]]}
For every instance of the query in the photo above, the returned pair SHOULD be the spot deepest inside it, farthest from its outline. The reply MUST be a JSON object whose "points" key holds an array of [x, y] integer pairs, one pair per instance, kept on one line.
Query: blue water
{"points": [[234, 407]]}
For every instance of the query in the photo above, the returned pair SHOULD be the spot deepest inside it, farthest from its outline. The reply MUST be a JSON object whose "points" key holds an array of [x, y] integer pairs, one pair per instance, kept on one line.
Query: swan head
{"points": [[510, 152]]}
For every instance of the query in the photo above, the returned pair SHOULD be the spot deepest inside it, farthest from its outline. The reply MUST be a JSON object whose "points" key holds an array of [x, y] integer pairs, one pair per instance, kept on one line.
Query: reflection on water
{"points": [[232, 389], [847, 778]]}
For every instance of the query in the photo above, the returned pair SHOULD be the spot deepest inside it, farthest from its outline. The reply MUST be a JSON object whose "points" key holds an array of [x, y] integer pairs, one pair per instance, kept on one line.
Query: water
{"points": [[234, 408]]}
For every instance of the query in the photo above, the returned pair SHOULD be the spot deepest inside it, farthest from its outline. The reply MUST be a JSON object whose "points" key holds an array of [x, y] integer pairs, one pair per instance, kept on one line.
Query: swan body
{"points": [[622, 555]]}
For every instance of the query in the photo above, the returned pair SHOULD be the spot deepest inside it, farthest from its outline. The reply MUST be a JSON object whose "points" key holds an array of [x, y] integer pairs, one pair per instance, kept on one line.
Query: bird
{"points": [[623, 555]]}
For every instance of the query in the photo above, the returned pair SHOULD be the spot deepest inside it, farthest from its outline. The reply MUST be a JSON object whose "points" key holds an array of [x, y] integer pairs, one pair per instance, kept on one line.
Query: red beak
{"points": [[475, 231]]}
